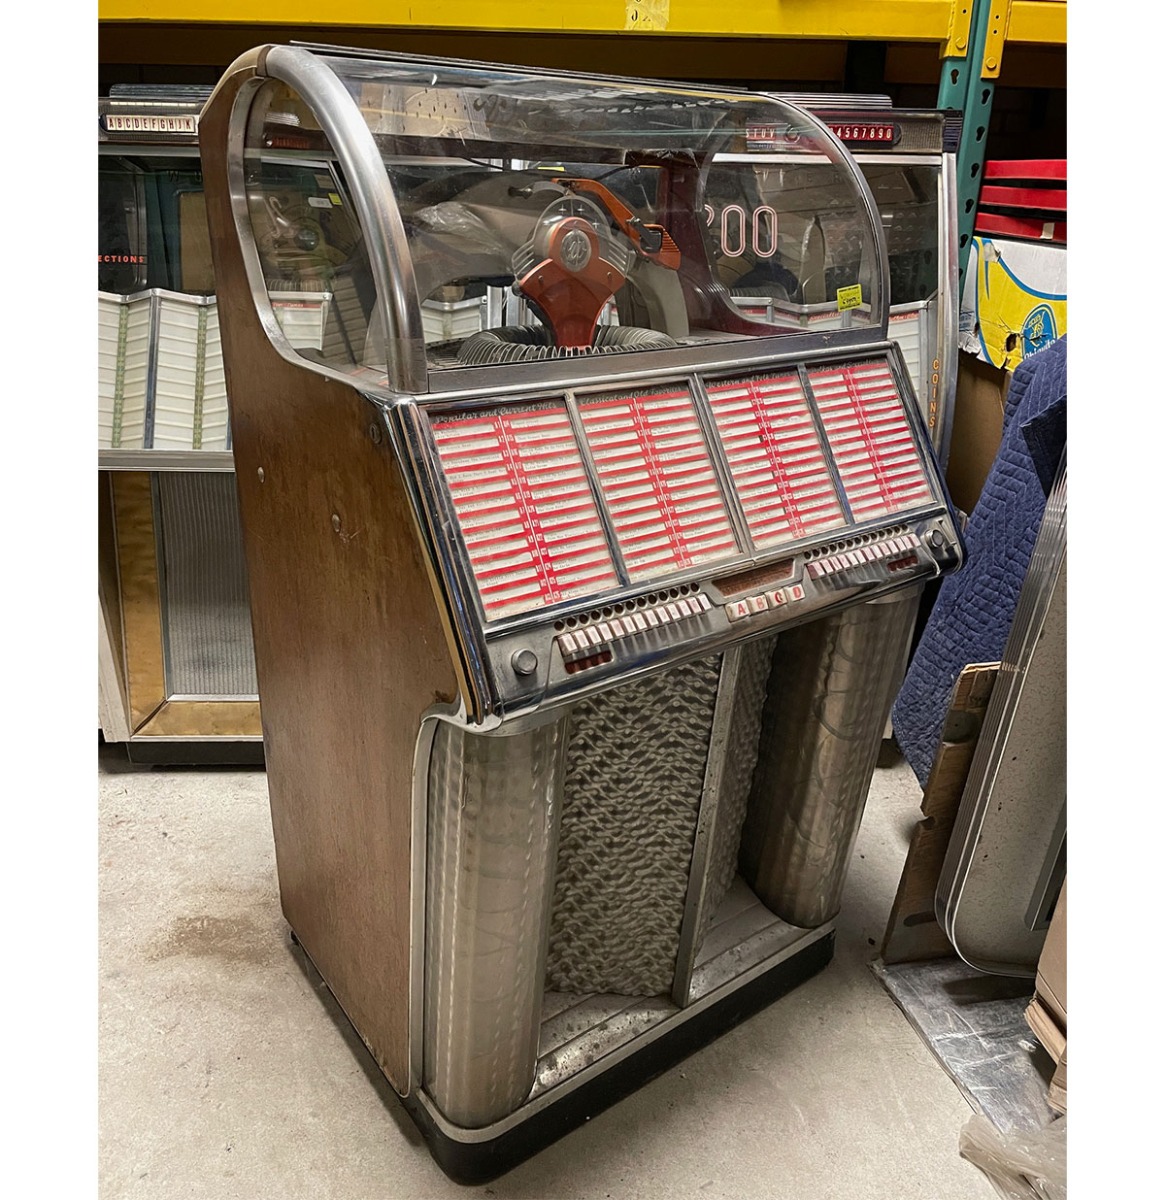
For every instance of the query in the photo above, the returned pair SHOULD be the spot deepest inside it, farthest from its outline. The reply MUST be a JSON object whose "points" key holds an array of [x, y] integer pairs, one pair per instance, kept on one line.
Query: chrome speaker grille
{"points": [[493, 823], [829, 696]]}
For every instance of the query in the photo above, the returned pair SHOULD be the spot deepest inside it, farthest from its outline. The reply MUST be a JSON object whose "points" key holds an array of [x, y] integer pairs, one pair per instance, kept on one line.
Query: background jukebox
{"points": [[582, 560]]}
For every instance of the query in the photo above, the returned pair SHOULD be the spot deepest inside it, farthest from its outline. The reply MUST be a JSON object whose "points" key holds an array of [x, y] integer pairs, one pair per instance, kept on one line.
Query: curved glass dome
{"points": [[426, 218]]}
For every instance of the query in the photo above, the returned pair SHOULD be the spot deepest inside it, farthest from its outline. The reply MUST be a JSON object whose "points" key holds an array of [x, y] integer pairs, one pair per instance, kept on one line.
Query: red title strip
{"points": [[876, 457], [525, 508], [776, 459], [658, 480]]}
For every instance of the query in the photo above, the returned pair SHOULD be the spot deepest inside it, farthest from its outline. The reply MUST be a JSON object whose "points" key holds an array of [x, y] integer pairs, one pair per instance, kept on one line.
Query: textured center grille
{"points": [[631, 797]]}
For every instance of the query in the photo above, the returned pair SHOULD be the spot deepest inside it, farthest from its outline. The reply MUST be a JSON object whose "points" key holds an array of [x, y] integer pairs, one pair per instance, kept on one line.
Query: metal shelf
{"points": [[165, 460]]}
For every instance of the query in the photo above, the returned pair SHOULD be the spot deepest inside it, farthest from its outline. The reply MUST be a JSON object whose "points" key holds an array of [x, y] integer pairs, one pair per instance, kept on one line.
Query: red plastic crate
{"points": [[1027, 168], [1019, 199]]}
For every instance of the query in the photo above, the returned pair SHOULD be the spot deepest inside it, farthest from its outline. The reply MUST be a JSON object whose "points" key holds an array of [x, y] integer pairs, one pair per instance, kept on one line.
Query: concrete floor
{"points": [[226, 1072]]}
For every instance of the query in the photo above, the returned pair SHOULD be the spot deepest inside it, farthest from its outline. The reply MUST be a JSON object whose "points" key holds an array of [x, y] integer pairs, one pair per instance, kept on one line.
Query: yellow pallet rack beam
{"points": [[787, 39], [884, 20], [1038, 22]]}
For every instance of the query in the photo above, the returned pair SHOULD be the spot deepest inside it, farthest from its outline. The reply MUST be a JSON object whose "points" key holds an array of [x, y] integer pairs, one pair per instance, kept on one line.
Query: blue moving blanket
{"points": [[973, 612]]}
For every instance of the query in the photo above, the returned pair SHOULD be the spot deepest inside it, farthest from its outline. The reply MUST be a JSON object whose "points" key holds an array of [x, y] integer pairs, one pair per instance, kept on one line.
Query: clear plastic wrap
{"points": [[1023, 1165]]}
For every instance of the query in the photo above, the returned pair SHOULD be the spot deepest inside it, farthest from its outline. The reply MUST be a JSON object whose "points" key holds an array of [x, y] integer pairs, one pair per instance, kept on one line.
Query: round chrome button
{"points": [[524, 662]]}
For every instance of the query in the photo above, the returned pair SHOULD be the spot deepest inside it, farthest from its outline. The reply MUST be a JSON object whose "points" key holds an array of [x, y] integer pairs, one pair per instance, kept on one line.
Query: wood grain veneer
{"points": [[349, 646]]}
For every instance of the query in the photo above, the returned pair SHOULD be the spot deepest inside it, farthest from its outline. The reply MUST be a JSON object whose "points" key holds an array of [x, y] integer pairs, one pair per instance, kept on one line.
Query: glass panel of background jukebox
{"points": [[161, 381], [906, 156]]}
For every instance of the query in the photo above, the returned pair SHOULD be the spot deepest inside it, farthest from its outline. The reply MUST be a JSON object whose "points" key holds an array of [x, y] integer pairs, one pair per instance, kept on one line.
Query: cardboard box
{"points": [[1045, 1026], [1052, 973], [1015, 300], [194, 244], [1047, 1014], [977, 430], [1058, 1088], [913, 933]]}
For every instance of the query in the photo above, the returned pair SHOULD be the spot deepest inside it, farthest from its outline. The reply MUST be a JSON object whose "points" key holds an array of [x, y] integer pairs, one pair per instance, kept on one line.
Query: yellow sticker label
{"points": [[334, 197], [849, 297], [644, 15]]}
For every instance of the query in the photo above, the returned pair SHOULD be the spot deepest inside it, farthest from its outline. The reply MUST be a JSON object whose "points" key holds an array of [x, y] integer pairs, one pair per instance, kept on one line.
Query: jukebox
{"points": [[177, 679], [578, 586]]}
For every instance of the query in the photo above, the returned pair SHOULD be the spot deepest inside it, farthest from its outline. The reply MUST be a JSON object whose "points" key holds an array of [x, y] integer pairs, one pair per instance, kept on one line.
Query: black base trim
{"points": [[479, 1162], [151, 753]]}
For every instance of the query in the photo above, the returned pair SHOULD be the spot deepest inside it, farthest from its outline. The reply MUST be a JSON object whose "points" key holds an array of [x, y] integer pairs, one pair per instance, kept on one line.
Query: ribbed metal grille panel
{"points": [[492, 828], [828, 698], [206, 614], [756, 660], [634, 776]]}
